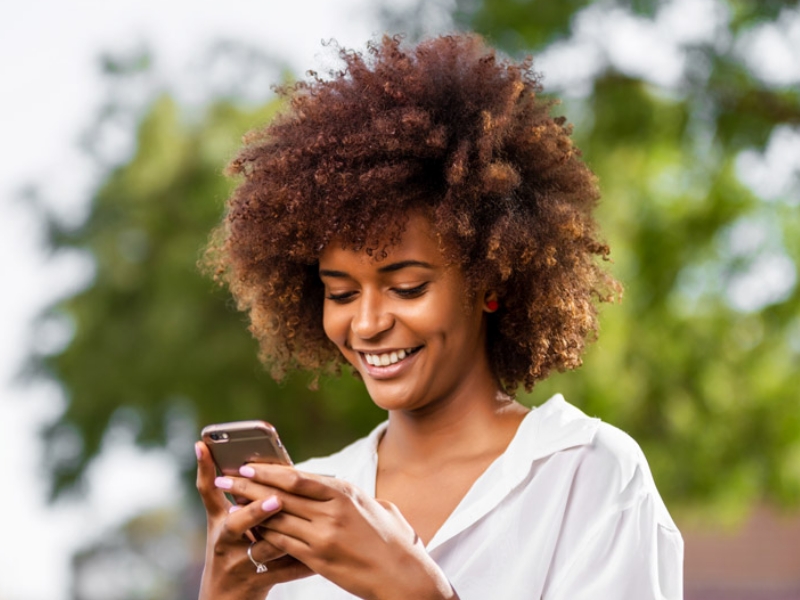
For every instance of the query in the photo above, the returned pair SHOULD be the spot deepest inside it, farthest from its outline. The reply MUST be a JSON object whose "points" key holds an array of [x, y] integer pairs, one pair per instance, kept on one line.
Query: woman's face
{"points": [[402, 321]]}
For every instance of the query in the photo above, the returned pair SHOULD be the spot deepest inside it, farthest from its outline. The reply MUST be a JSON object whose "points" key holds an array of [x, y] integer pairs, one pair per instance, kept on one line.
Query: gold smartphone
{"points": [[235, 444]]}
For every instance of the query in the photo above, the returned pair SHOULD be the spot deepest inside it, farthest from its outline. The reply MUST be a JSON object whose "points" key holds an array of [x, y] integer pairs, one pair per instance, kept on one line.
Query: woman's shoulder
{"points": [[608, 512], [562, 426], [608, 467]]}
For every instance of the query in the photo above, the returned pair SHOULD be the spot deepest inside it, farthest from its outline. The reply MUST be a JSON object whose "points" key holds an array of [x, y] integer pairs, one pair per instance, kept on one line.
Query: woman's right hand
{"points": [[228, 572]]}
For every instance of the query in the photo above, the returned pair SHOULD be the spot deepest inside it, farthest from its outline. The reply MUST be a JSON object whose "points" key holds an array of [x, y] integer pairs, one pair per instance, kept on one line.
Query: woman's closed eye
{"points": [[340, 297], [410, 293], [404, 293]]}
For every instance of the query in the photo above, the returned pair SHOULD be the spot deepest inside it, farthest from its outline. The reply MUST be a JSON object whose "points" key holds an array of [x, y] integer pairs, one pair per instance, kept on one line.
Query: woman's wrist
{"points": [[212, 588], [232, 594], [439, 589], [424, 581]]}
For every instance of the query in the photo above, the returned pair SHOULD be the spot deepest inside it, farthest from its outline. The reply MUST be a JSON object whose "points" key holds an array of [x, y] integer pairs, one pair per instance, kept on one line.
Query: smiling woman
{"points": [[420, 217]]}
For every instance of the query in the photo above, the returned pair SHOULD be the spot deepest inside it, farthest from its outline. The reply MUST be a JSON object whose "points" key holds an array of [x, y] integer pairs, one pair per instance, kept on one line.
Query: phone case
{"points": [[234, 444]]}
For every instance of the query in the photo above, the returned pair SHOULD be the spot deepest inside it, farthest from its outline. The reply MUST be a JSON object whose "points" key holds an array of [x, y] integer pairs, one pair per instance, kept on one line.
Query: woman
{"points": [[421, 217]]}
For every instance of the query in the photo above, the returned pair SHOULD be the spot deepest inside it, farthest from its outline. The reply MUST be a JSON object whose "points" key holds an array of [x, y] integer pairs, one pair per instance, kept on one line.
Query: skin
{"points": [[448, 420]]}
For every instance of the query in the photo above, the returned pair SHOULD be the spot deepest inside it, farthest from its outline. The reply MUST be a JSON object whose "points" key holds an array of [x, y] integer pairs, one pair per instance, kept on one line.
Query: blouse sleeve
{"points": [[630, 555], [619, 541]]}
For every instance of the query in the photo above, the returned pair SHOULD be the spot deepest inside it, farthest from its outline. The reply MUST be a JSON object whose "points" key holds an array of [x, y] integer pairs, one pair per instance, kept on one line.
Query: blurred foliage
{"points": [[154, 340], [157, 555], [699, 363]]}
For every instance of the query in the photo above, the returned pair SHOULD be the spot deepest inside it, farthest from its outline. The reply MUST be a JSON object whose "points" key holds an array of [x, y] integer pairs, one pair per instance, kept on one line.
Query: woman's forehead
{"points": [[416, 239]]}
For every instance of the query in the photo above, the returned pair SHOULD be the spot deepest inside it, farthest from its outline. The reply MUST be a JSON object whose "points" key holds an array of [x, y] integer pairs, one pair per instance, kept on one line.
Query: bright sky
{"points": [[50, 81], [50, 90]]}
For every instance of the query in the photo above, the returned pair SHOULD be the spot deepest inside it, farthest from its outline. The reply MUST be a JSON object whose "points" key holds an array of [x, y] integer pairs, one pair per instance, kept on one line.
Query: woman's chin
{"points": [[391, 397]]}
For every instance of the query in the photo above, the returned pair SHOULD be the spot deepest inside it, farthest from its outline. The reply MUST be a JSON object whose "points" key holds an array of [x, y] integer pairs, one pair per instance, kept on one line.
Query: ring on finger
{"points": [[260, 566]]}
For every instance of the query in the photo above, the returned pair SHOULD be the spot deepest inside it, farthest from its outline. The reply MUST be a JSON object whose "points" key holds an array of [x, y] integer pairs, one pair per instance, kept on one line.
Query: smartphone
{"points": [[235, 444]]}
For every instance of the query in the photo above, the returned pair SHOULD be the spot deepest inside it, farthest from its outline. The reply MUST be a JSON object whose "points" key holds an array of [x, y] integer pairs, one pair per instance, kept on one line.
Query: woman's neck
{"points": [[479, 420]]}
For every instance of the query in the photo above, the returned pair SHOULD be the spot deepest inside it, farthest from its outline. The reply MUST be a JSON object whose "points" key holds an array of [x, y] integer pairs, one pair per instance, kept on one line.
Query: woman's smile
{"points": [[388, 364], [386, 358]]}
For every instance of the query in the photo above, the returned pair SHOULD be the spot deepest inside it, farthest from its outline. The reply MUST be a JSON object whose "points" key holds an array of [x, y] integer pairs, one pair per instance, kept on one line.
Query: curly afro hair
{"points": [[446, 127]]}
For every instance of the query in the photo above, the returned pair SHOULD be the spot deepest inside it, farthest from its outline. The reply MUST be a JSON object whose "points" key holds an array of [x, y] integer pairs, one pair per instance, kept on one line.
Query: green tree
{"points": [[157, 555], [157, 345], [700, 361]]}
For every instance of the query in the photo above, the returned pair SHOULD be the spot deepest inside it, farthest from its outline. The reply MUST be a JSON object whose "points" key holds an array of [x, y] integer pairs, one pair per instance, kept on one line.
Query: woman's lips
{"points": [[404, 358]]}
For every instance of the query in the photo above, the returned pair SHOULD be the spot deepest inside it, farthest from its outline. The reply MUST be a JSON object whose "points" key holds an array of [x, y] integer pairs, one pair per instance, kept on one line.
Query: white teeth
{"points": [[389, 358]]}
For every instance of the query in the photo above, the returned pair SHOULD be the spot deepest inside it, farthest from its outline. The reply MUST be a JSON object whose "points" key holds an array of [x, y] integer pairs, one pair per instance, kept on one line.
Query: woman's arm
{"points": [[361, 544]]}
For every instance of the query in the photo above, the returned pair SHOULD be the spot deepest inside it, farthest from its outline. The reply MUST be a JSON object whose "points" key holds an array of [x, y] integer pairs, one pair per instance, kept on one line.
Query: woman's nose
{"points": [[372, 316]]}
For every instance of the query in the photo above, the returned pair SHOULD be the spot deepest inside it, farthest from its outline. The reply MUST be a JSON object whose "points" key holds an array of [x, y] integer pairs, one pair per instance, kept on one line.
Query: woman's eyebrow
{"points": [[390, 268], [332, 273], [404, 264]]}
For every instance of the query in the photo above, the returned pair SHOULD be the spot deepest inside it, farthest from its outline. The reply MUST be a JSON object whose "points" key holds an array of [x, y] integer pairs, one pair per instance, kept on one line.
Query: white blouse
{"points": [[568, 512]]}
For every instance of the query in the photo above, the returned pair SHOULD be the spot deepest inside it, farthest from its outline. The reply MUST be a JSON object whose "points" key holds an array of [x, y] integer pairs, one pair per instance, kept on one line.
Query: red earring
{"points": [[492, 305]]}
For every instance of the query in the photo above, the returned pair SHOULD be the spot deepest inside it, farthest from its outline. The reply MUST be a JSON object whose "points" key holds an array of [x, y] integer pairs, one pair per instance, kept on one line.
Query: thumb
{"points": [[213, 498], [390, 507], [401, 520]]}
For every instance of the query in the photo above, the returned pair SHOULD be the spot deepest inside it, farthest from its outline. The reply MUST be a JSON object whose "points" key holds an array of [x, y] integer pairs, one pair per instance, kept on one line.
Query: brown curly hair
{"points": [[448, 128]]}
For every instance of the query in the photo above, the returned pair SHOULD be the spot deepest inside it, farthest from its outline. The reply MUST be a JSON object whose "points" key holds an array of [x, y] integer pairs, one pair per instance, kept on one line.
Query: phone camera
{"points": [[219, 436]]}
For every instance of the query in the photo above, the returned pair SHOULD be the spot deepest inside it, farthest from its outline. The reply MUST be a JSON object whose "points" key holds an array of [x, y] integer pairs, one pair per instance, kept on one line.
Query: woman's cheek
{"points": [[334, 323]]}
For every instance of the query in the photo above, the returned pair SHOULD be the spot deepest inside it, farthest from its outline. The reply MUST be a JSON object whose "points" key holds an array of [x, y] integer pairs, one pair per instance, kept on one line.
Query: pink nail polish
{"points": [[197, 451], [234, 508], [270, 504], [223, 483], [246, 471]]}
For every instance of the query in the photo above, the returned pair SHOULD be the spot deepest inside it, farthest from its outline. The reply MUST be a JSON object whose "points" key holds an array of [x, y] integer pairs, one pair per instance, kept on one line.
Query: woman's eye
{"points": [[340, 298], [409, 293]]}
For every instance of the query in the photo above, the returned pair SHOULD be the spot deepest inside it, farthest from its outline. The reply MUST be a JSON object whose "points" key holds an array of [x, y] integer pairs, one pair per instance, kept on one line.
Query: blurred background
{"points": [[117, 119]]}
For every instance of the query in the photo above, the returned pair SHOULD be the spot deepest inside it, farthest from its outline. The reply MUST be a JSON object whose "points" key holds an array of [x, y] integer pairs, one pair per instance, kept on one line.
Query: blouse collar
{"points": [[551, 427]]}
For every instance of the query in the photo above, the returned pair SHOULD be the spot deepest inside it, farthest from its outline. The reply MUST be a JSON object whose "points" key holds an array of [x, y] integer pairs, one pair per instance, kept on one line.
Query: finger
{"points": [[262, 551], [244, 518], [213, 498], [386, 504], [294, 526], [289, 479], [287, 568], [289, 545], [299, 506], [391, 508], [244, 490], [395, 512]]}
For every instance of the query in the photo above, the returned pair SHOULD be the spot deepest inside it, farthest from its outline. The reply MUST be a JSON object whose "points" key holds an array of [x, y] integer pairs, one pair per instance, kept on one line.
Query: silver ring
{"points": [[260, 567]]}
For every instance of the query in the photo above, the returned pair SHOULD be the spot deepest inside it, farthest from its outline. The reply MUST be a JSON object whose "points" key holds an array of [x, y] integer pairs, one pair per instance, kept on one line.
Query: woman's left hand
{"points": [[361, 544]]}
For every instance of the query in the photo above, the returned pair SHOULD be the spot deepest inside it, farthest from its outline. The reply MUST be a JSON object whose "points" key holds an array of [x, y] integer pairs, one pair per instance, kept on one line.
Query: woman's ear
{"points": [[490, 303]]}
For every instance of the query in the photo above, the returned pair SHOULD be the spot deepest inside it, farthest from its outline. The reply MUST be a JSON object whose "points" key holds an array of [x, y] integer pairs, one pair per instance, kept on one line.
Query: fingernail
{"points": [[197, 451], [234, 508], [246, 471], [223, 482], [270, 504]]}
